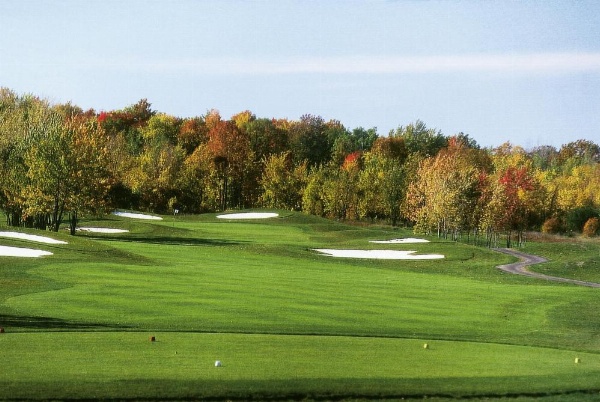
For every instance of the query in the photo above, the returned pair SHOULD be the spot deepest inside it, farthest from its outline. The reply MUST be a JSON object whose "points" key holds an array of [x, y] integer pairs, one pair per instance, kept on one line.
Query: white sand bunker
{"points": [[6, 251], [137, 216], [400, 241], [380, 254], [29, 237], [103, 230], [249, 215]]}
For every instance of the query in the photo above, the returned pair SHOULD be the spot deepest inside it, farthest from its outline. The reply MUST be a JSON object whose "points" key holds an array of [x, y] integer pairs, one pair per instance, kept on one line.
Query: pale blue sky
{"points": [[521, 71]]}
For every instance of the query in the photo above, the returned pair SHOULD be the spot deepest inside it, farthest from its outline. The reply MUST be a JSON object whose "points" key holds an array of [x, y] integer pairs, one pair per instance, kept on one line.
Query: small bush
{"points": [[576, 218], [552, 226], [591, 227]]}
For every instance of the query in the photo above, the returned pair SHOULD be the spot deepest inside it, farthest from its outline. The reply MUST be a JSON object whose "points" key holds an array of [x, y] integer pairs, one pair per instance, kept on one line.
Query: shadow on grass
{"points": [[17, 321], [305, 389]]}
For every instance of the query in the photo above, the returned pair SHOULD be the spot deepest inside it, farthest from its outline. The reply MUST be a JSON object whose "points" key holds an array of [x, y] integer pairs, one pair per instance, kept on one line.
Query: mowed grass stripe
{"points": [[120, 363], [220, 289]]}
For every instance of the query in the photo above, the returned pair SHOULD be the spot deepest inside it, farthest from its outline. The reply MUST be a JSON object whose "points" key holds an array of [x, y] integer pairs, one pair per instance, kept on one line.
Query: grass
{"points": [[576, 258], [286, 322], [128, 365]]}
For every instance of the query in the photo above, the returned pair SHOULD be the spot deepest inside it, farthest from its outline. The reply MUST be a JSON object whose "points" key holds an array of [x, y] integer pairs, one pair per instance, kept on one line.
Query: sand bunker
{"points": [[137, 216], [400, 241], [103, 230], [6, 251], [249, 215], [380, 254], [29, 237]]}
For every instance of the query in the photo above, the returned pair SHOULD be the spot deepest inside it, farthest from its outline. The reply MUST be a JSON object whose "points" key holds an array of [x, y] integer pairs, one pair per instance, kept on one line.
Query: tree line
{"points": [[59, 162]]}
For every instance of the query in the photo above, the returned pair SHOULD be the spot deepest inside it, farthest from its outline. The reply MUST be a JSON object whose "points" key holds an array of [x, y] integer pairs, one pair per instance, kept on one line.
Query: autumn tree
{"points": [[444, 197], [152, 174], [282, 183], [242, 119], [212, 118], [89, 178], [14, 112], [67, 169], [591, 226], [154, 161], [580, 152], [327, 192], [194, 183], [381, 187], [232, 161], [340, 190], [128, 122], [579, 186], [514, 195], [192, 133], [391, 147]]}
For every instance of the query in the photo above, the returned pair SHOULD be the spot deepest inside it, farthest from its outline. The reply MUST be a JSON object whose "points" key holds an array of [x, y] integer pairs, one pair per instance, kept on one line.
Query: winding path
{"points": [[520, 268]]}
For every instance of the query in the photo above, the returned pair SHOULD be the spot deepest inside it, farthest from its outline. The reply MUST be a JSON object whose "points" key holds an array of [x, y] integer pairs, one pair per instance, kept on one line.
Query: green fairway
{"points": [[285, 321]]}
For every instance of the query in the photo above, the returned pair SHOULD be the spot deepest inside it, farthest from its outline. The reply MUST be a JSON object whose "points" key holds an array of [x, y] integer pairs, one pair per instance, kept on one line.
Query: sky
{"points": [[525, 71]]}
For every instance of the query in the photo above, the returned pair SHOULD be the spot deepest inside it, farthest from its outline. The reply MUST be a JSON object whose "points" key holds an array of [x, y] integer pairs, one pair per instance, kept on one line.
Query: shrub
{"points": [[591, 227], [576, 218], [552, 226]]}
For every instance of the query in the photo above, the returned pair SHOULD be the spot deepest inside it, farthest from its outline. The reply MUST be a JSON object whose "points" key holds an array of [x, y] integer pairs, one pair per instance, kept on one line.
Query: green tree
{"points": [[266, 138], [346, 143], [161, 128], [313, 198], [309, 141], [418, 138]]}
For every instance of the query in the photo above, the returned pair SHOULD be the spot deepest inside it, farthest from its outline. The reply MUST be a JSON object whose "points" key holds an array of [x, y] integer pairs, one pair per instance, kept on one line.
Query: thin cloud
{"points": [[517, 63], [493, 63]]}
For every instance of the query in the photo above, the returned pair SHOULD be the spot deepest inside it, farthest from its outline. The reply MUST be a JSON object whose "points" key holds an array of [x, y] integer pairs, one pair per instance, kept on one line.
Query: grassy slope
{"points": [[200, 274], [577, 258]]}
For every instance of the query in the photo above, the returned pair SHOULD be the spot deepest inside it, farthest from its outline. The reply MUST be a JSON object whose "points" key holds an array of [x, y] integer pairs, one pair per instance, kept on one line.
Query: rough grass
{"points": [[286, 322], [576, 258]]}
